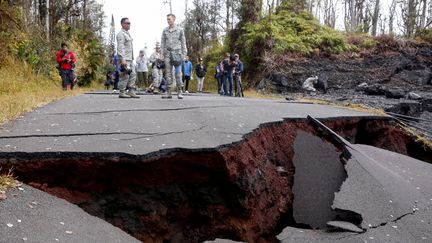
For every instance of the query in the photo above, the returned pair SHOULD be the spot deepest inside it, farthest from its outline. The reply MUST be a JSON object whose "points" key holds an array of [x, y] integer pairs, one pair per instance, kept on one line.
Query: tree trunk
{"points": [[410, 20], [375, 18], [228, 16], [423, 14], [392, 13]]}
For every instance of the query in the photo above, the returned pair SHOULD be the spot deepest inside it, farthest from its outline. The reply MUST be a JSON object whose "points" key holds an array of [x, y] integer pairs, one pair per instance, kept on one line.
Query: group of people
{"points": [[170, 57], [229, 71], [169, 63]]}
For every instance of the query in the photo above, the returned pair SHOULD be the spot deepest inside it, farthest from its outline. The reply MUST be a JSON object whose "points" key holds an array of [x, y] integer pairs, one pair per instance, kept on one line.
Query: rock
{"points": [[345, 226], [321, 85], [361, 86], [407, 108], [374, 90], [420, 76], [395, 93], [413, 96]]}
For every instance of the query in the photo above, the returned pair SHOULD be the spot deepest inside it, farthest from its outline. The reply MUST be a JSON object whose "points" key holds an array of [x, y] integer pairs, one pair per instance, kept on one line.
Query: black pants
{"points": [[186, 80], [116, 80]]}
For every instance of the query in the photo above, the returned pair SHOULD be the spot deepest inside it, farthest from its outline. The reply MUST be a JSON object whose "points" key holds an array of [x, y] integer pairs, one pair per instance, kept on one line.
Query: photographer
{"points": [[237, 76], [66, 63], [157, 68], [127, 67], [228, 66]]}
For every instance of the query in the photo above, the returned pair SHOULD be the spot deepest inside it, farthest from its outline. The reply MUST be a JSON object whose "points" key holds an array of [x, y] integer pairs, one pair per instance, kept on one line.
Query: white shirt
{"points": [[142, 63]]}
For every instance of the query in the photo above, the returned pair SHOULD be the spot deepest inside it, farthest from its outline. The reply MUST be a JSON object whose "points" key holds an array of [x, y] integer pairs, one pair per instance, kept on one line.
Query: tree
{"points": [[392, 13], [375, 18]]}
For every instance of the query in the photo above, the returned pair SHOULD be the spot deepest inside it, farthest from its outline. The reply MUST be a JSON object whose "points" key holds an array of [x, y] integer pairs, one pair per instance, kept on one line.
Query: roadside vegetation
{"points": [[7, 181], [21, 90], [29, 78]]}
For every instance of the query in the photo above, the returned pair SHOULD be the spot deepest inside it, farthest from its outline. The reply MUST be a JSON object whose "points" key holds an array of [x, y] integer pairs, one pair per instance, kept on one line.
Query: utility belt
{"points": [[170, 49]]}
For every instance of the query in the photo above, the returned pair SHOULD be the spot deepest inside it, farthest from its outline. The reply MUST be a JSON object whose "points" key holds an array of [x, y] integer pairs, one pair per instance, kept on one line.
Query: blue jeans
{"points": [[228, 76]]}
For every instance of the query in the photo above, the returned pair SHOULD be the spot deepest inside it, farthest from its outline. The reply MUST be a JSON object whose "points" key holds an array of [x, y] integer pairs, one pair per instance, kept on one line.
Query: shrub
{"points": [[286, 31]]}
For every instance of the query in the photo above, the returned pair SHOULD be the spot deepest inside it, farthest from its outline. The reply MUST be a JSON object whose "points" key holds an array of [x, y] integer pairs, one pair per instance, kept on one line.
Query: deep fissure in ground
{"points": [[242, 191]]}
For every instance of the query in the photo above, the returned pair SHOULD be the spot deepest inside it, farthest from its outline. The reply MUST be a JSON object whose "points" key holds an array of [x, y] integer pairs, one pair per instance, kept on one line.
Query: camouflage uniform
{"points": [[125, 51], [308, 84], [173, 39], [156, 73]]}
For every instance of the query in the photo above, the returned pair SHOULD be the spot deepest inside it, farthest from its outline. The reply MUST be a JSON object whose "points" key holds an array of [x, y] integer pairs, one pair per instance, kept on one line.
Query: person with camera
{"points": [[142, 69], [228, 66], [237, 76], [127, 67], [173, 45], [66, 64], [158, 64]]}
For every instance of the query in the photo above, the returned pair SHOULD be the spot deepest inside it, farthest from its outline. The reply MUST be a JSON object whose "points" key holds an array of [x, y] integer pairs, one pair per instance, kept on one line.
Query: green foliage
{"points": [[286, 31], [424, 35], [26, 41], [362, 41]]}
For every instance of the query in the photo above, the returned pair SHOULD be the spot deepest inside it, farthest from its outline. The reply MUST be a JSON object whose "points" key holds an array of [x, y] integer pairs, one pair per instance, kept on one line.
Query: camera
{"points": [[125, 69], [160, 64]]}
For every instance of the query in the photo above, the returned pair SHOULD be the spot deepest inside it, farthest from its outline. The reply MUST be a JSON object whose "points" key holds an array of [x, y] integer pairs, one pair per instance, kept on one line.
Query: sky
{"points": [[147, 17]]}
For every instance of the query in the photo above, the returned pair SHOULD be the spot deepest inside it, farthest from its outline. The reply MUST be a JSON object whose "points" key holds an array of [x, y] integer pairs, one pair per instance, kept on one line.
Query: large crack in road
{"points": [[282, 174]]}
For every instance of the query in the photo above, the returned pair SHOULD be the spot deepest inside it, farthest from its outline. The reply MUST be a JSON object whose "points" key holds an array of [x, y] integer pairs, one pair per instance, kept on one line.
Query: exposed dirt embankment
{"points": [[240, 191], [396, 64]]}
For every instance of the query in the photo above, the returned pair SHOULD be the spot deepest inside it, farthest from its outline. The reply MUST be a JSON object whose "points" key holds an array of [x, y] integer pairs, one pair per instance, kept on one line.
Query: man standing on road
{"points": [[66, 63], [157, 70], [142, 69], [187, 73], [173, 45], [237, 76], [127, 67], [200, 71]]}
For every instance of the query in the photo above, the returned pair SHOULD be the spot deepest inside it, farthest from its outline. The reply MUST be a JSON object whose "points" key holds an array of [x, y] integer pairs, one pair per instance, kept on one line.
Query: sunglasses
{"points": [[126, 23]]}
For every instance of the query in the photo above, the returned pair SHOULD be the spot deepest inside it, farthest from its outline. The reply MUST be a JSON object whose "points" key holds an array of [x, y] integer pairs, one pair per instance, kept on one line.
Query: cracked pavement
{"points": [[391, 192], [104, 123]]}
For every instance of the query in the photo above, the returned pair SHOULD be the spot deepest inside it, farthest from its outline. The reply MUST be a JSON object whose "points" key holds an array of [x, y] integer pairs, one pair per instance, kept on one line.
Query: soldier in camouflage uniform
{"points": [[127, 67], [173, 42]]}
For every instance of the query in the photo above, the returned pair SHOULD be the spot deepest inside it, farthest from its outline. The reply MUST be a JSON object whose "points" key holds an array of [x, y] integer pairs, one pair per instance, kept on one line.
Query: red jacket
{"points": [[65, 65]]}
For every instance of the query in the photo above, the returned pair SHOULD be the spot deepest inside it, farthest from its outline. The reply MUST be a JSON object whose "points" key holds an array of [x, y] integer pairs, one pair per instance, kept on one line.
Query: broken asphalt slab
{"points": [[30, 215], [387, 194]]}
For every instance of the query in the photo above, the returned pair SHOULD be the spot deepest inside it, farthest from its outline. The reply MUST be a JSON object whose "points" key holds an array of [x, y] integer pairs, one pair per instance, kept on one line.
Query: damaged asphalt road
{"points": [[210, 167], [101, 123]]}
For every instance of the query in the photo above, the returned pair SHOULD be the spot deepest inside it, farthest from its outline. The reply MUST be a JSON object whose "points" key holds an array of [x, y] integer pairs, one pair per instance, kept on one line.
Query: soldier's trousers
{"points": [[127, 81], [157, 76], [169, 75]]}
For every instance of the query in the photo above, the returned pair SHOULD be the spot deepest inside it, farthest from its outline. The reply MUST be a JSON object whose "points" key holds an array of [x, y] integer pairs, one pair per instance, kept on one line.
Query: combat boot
{"points": [[123, 94], [168, 95], [132, 94], [179, 94]]}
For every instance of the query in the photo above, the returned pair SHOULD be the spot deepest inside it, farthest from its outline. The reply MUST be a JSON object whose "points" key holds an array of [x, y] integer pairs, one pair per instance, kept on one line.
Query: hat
{"points": [[200, 59], [157, 45]]}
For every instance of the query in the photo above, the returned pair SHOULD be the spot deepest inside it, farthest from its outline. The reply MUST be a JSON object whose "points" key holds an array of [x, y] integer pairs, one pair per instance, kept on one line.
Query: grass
{"points": [[22, 91], [7, 181], [351, 106]]}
